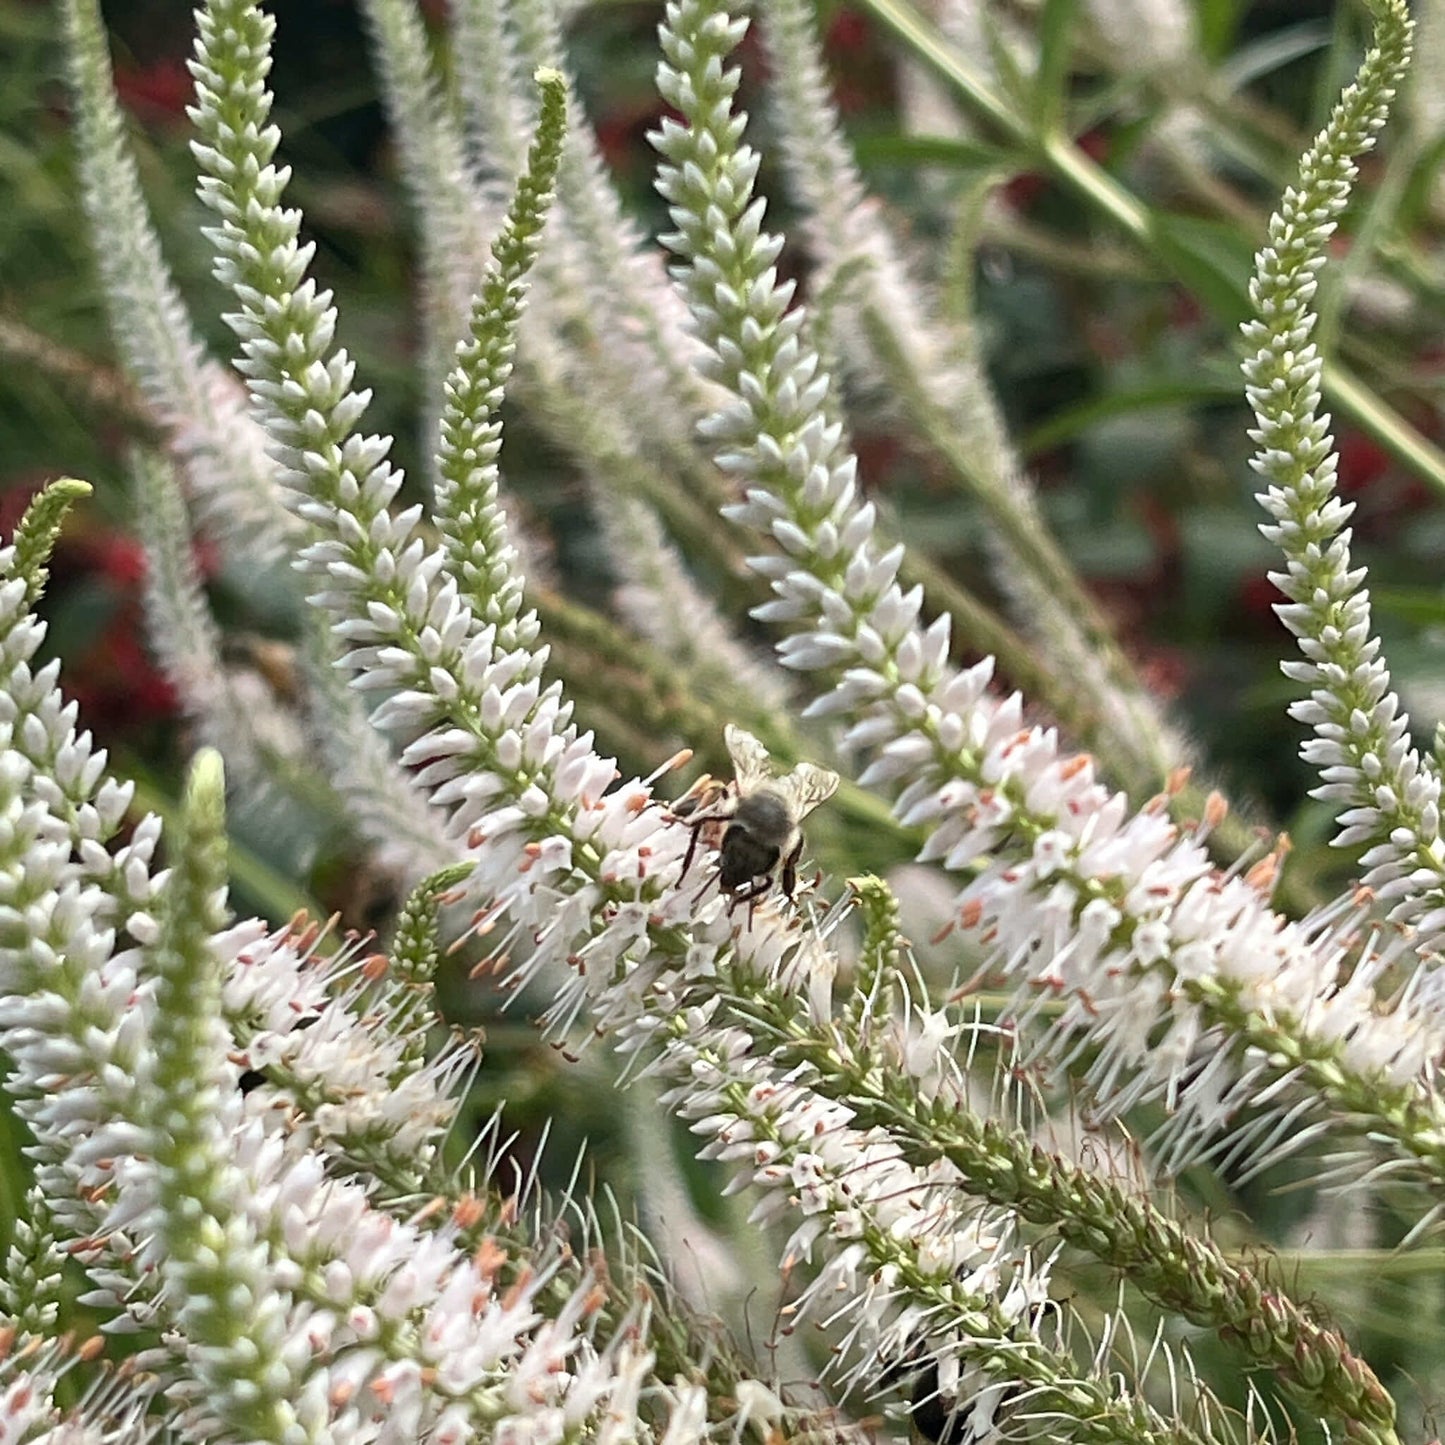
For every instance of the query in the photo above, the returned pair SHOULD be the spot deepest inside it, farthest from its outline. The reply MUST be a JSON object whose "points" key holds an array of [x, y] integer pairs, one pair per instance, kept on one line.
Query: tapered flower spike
{"points": [[37, 533], [77, 796], [893, 330], [899, 1071], [1388, 795], [467, 510], [70, 1008], [192, 398], [902, 1262], [214, 1262], [218, 447]]}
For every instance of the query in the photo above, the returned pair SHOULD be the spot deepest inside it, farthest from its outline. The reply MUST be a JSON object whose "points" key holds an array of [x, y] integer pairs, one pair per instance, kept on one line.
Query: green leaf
{"points": [[1211, 257], [1073, 421], [894, 148], [1056, 30], [1425, 608], [1273, 51]]}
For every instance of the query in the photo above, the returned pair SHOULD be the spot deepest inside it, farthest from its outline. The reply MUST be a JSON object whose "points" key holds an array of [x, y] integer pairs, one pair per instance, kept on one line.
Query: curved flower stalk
{"points": [[462, 700], [490, 742], [213, 1265], [467, 513], [195, 401], [569, 368], [938, 378], [215, 442], [1389, 795], [1157, 960]]}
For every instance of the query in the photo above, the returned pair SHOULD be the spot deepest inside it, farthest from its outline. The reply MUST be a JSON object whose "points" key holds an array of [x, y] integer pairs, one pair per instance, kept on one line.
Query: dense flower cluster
{"points": [[240, 1132]]}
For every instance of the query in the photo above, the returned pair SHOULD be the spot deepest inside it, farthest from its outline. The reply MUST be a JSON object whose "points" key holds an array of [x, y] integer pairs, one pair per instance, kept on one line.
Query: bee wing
{"points": [[752, 764], [802, 789], [805, 787]]}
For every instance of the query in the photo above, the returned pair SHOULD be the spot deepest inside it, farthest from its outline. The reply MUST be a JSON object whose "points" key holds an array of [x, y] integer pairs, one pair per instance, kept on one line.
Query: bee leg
{"points": [[750, 895], [790, 870], [696, 829], [756, 891]]}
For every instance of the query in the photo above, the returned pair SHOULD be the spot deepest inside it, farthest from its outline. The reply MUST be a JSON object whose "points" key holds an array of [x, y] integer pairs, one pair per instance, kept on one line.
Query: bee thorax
{"points": [[765, 817]]}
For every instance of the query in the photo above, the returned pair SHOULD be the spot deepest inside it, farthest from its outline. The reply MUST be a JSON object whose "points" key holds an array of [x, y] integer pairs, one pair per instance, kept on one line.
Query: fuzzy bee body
{"points": [[762, 839], [755, 839]]}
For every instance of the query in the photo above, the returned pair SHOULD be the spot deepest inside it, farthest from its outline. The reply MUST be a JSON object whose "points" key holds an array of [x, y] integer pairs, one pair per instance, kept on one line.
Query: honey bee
{"points": [[760, 816]]}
